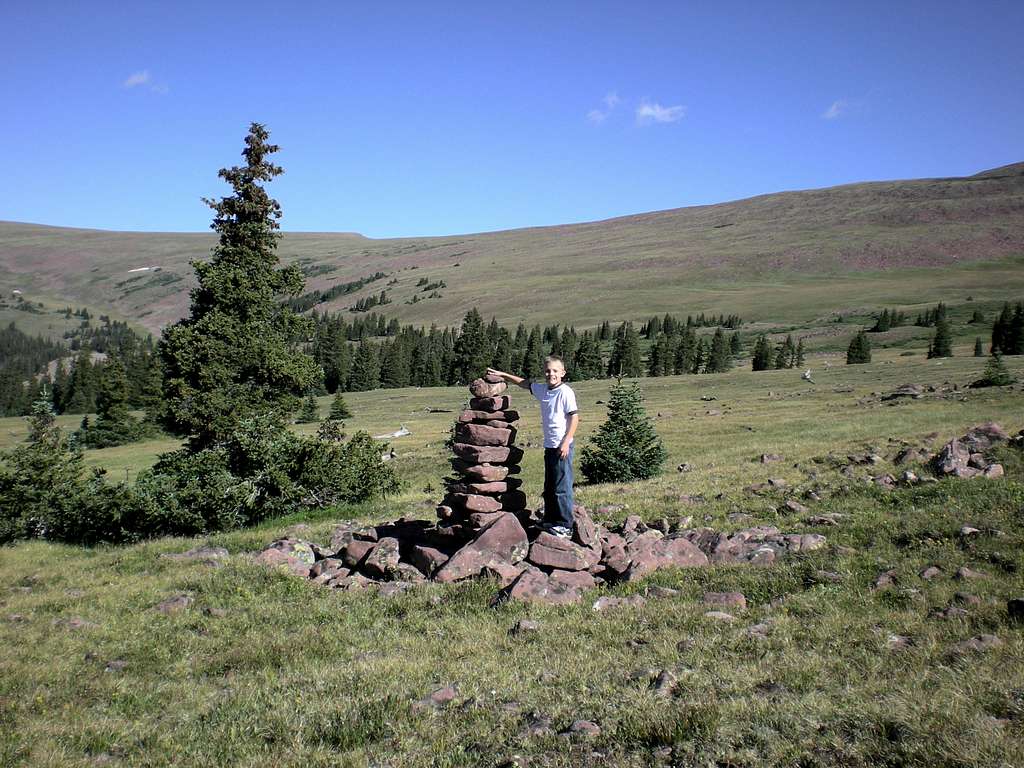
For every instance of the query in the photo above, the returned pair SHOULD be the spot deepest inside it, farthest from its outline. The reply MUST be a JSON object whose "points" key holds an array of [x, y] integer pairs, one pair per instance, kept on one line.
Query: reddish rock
{"points": [[438, 699], [427, 559], [471, 502], [584, 530], [581, 580], [490, 404], [327, 569], [405, 573], [667, 553], [481, 434], [953, 458], [483, 472], [982, 437], [278, 558], [726, 599], [483, 388], [479, 520], [536, 587], [553, 552], [505, 573], [503, 541], [498, 486], [482, 417], [354, 554], [487, 454], [382, 560]]}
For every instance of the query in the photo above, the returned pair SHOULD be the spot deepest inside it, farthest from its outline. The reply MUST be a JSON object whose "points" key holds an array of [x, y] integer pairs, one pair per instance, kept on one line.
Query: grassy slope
{"points": [[293, 675], [788, 257]]}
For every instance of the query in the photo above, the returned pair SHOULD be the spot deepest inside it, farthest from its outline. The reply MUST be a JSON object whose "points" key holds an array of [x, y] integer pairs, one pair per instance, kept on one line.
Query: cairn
{"points": [[486, 461]]}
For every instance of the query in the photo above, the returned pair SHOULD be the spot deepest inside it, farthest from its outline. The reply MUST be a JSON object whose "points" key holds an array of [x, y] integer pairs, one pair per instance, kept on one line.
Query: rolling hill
{"points": [[789, 256]]}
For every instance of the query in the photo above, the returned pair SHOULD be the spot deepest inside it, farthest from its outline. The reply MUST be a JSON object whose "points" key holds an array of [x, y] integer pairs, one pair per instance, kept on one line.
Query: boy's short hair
{"points": [[555, 359]]}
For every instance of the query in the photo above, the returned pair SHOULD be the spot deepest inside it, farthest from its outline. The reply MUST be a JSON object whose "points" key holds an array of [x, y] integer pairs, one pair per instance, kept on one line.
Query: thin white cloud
{"points": [[838, 108], [610, 101], [652, 112], [137, 78]]}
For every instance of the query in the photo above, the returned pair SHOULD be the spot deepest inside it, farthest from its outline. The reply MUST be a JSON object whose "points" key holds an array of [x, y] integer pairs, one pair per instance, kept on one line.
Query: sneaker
{"points": [[558, 530]]}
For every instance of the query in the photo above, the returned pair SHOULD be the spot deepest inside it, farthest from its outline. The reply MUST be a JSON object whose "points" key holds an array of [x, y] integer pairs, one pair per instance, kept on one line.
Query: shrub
{"points": [[625, 447]]}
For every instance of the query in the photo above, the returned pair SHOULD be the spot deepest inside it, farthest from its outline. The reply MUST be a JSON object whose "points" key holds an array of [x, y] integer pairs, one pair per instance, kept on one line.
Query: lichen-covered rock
{"points": [[535, 586], [381, 562], [503, 541], [485, 388]]}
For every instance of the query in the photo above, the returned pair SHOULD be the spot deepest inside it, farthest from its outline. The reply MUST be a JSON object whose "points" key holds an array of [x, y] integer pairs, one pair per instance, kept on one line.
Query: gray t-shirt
{"points": [[556, 405]]}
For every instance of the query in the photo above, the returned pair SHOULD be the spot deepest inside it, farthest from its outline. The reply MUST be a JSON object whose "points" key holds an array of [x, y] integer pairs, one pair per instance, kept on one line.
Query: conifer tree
{"points": [[719, 360], [235, 356], [800, 353], [339, 409], [533, 357], [735, 345], [942, 342], [365, 368], [114, 425], [309, 412], [995, 374], [979, 350], [472, 351], [626, 446], [859, 350], [761, 358]]}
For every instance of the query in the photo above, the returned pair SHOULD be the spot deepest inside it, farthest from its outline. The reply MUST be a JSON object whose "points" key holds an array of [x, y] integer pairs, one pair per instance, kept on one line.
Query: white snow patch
{"points": [[141, 269]]}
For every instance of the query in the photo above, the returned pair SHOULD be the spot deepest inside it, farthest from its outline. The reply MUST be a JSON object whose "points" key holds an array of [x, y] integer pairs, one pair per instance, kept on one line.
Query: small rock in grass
{"points": [[536, 725], [516, 761], [948, 613], [582, 729], [897, 642], [117, 665], [967, 531], [74, 623], [720, 616], [977, 644], [966, 598], [438, 699], [174, 604], [930, 572], [525, 627], [684, 467], [656, 590], [665, 684], [605, 603], [884, 580], [827, 577], [758, 631], [794, 506], [966, 574], [734, 600]]}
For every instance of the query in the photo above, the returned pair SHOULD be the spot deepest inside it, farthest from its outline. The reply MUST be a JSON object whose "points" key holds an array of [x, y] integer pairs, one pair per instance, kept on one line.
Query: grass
{"points": [[264, 668]]}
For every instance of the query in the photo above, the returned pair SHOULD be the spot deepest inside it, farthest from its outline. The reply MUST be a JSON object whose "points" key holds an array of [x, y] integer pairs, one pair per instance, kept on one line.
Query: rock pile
{"points": [[965, 456]]}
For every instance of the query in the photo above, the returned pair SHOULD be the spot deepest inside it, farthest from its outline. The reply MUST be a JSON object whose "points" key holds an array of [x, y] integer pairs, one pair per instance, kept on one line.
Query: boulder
{"points": [[354, 554], [503, 541], [381, 562], [482, 435], [505, 573], [427, 559], [484, 388], [479, 454], [277, 558], [573, 579], [666, 553], [554, 552], [983, 437], [534, 586], [735, 600], [489, 404], [952, 459], [471, 502], [584, 530]]}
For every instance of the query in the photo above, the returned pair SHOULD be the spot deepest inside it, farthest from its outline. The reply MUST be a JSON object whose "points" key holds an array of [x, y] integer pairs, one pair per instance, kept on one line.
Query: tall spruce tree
{"points": [[979, 349], [762, 356], [859, 350], [942, 342], [235, 355], [625, 446], [473, 352], [719, 361]]}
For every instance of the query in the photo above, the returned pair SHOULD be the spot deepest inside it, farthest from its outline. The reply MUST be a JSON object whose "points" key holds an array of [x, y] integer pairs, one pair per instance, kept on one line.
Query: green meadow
{"points": [[266, 669]]}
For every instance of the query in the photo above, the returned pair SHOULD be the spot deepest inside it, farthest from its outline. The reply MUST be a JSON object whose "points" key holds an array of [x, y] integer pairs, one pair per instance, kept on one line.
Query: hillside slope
{"points": [[791, 255]]}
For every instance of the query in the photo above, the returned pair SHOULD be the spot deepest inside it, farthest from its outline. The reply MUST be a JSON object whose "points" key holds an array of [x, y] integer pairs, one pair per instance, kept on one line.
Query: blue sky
{"points": [[429, 118]]}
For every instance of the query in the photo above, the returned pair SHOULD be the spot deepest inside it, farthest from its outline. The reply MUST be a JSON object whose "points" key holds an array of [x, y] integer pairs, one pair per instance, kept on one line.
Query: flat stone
{"points": [[977, 644], [440, 698], [496, 487], [484, 473], [734, 600], [482, 435], [481, 388], [525, 627], [504, 573], [665, 553], [930, 572], [487, 454], [609, 602], [794, 506], [767, 458], [489, 404], [427, 559], [278, 558], [554, 552], [993, 471], [472, 502], [581, 580], [175, 604], [720, 616], [469, 416], [966, 574], [658, 591], [582, 729]]}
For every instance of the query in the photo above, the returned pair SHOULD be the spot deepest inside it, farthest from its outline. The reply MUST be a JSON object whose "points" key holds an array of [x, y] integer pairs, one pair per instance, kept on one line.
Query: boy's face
{"points": [[554, 372]]}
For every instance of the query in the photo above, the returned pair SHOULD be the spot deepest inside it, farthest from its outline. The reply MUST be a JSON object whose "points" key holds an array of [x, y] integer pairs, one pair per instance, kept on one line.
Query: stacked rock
{"points": [[485, 463]]}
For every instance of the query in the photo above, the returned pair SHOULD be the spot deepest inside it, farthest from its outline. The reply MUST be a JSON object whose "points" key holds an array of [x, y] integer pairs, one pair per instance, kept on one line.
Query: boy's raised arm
{"points": [[511, 378]]}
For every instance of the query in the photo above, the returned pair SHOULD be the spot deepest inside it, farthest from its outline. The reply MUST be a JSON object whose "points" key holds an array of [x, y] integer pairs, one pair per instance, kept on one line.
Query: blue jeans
{"points": [[558, 487]]}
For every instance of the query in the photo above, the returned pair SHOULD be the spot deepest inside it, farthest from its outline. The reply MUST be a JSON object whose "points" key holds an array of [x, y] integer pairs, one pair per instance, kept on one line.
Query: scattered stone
{"points": [[177, 603], [665, 684], [794, 506], [977, 644], [533, 585], [767, 458], [525, 627], [75, 623], [966, 574], [758, 631], [536, 725], [608, 602], [897, 642], [930, 572], [658, 591], [884, 580], [966, 598], [582, 729], [949, 612], [734, 600], [913, 391], [827, 519], [117, 665], [684, 467], [828, 577], [1015, 609], [720, 616], [440, 698]]}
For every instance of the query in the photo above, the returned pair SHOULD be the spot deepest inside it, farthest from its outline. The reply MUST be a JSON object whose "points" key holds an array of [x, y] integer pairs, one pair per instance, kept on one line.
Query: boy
{"points": [[559, 419]]}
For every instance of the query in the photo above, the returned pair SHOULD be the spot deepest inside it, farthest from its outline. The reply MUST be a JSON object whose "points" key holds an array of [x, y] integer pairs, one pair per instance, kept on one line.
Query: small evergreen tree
{"points": [[800, 353], [339, 409], [942, 342], [995, 373], [735, 345], [859, 350], [309, 412], [719, 360], [625, 447], [979, 350], [113, 425], [761, 359]]}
